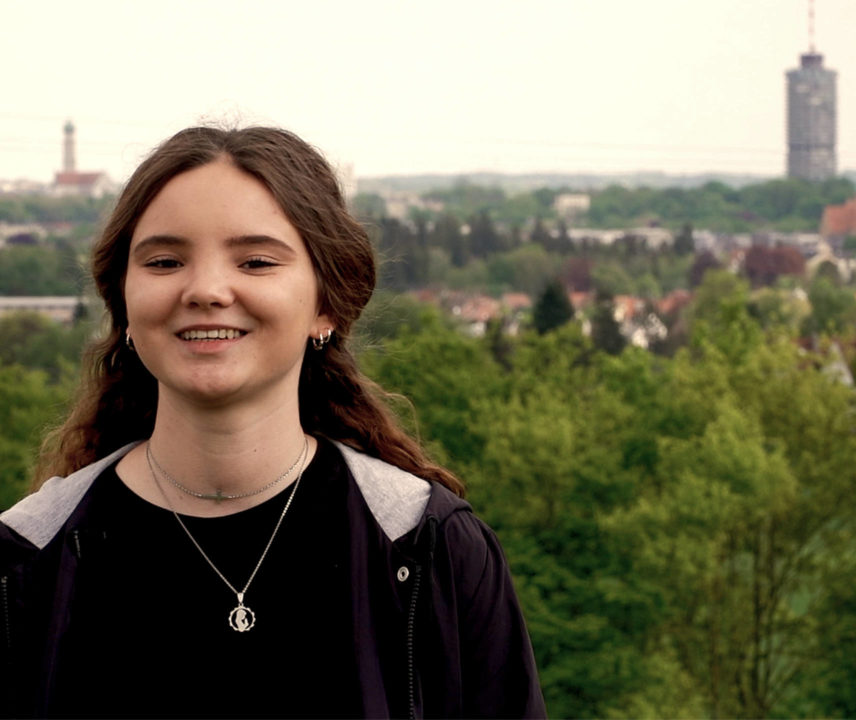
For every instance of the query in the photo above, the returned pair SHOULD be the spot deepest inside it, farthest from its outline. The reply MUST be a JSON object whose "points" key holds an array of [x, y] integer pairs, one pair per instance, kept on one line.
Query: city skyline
{"points": [[390, 88]]}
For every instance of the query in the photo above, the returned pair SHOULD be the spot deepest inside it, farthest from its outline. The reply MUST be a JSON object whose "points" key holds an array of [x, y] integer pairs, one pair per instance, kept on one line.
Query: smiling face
{"points": [[220, 291]]}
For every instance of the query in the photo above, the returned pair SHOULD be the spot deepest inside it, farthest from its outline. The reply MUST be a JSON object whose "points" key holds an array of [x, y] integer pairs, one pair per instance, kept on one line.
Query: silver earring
{"points": [[129, 341], [319, 342]]}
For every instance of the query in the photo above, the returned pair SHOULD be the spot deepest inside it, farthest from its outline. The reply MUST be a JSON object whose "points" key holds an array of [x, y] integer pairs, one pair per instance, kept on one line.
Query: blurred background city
{"points": [[618, 244]]}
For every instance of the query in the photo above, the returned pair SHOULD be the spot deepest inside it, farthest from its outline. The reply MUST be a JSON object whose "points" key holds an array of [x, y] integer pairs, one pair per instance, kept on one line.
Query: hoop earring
{"points": [[319, 342], [129, 341]]}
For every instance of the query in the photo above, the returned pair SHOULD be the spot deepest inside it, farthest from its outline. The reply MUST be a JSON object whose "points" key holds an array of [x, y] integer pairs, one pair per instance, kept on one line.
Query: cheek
{"points": [[144, 305]]}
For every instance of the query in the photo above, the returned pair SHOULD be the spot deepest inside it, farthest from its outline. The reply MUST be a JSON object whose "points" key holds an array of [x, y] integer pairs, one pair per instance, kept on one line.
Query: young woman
{"points": [[235, 526]]}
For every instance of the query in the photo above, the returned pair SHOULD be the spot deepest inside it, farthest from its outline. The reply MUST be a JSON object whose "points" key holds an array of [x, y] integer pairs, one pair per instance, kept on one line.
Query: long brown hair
{"points": [[117, 400]]}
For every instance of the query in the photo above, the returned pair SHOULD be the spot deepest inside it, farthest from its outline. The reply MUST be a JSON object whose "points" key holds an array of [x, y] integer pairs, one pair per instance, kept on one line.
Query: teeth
{"points": [[221, 334]]}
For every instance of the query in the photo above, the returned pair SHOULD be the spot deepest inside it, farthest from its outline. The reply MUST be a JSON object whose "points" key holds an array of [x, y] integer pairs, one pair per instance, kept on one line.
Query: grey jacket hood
{"points": [[396, 498]]}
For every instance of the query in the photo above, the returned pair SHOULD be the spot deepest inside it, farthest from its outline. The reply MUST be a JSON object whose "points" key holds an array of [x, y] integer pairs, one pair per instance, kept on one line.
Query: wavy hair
{"points": [[117, 399]]}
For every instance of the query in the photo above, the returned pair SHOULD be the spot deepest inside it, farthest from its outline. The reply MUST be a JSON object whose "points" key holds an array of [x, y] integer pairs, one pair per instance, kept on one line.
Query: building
{"points": [[61, 308], [839, 221], [571, 205], [811, 119], [69, 181]]}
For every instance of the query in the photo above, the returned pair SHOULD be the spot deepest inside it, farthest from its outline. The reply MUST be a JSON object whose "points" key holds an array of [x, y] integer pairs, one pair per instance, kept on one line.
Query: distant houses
{"points": [[61, 308]]}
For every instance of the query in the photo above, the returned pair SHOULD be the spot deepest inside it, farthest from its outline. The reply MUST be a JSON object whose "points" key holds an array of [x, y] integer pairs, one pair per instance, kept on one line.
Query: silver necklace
{"points": [[242, 618], [218, 496]]}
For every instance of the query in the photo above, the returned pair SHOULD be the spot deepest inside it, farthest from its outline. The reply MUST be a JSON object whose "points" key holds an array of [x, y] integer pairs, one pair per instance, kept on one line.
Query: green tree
{"points": [[833, 308], [447, 235], [28, 405], [720, 315], [38, 343], [684, 243], [605, 330], [610, 278], [39, 270], [552, 309], [368, 206], [484, 238]]}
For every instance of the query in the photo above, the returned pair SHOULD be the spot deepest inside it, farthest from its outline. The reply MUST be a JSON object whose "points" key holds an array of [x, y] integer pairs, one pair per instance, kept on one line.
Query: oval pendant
{"points": [[242, 619]]}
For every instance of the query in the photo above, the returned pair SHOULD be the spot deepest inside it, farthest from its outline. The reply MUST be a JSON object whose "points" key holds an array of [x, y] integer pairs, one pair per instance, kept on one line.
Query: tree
{"points": [[703, 262], [552, 309], [684, 243], [576, 274], [529, 268], [744, 561], [540, 235], [609, 278], [719, 314], [447, 235], [781, 309], [28, 405], [368, 206], [764, 265], [33, 341], [679, 529], [833, 309], [484, 238], [605, 330], [39, 270]]}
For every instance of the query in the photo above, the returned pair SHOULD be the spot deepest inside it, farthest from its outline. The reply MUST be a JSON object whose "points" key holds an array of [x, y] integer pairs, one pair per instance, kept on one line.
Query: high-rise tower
{"points": [[811, 115]]}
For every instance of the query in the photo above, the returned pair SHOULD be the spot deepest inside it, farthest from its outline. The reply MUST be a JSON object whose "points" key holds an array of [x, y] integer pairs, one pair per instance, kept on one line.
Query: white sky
{"points": [[398, 87]]}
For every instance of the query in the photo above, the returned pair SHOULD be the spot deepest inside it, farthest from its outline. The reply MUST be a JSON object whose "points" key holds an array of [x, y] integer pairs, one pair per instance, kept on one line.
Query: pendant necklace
{"points": [[242, 618]]}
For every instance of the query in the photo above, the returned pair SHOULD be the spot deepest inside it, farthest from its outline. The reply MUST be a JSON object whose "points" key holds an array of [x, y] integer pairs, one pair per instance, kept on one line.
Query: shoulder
{"points": [[401, 502], [40, 516], [468, 547], [398, 500]]}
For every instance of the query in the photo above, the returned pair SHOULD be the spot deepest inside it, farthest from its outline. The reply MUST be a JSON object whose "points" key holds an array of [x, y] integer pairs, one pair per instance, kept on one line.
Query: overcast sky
{"points": [[404, 87]]}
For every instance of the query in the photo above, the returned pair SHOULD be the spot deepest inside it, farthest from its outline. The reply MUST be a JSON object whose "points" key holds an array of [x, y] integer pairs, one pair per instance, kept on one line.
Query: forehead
{"points": [[214, 199]]}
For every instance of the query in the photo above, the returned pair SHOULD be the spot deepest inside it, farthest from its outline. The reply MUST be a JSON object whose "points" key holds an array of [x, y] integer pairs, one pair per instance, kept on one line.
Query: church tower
{"points": [[68, 159]]}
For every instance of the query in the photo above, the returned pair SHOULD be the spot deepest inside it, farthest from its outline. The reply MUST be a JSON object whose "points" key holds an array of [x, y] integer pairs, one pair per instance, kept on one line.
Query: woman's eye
{"points": [[256, 263], [163, 263]]}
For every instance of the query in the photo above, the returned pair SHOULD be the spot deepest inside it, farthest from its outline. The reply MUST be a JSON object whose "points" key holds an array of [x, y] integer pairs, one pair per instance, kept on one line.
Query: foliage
{"points": [[33, 341], [465, 200], [553, 309], [40, 270], [764, 265], [833, 309], [786, 205], [368, 207], [389, 314], [528, 269], [28, 405], [32, 208], [680, 530], [605, 330]]}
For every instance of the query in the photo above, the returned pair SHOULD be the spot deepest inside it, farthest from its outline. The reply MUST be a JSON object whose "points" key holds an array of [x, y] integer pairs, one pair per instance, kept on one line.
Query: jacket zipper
{"points": [[7, 622], [411, 630], [411, 614]]}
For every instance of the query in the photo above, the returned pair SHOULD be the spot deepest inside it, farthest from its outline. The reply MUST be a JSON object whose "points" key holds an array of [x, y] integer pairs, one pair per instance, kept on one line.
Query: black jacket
{"points": [[438, 629]]}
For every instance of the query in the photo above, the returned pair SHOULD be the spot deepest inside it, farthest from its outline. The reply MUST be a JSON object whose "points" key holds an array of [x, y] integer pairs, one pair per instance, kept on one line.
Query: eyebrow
{"points": [[236, 241], [250, 240]]}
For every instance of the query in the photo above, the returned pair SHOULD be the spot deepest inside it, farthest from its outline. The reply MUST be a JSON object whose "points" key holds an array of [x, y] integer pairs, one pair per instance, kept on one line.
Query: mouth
{"points": [[212, 334]]}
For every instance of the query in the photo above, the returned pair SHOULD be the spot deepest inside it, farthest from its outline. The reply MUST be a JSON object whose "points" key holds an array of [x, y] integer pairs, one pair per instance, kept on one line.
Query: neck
{"points": [[226, 450]]}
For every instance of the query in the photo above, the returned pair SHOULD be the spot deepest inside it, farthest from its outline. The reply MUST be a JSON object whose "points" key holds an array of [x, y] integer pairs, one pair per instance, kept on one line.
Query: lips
{"points": [[212, 334]]}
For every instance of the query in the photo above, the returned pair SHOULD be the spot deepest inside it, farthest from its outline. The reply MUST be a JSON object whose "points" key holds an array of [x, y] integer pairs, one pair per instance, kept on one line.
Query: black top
{"points": [[150, 635]]}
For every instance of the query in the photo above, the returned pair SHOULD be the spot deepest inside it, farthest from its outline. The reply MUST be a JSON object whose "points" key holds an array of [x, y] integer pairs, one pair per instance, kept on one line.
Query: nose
{"points": [[208, 286]]}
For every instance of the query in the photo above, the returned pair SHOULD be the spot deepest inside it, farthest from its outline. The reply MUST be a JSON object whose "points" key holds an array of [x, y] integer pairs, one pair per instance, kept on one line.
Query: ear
{"points": [[322, 325]]}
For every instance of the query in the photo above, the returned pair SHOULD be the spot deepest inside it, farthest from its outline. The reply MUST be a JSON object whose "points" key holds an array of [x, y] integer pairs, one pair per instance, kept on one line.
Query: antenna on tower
{"points": [[811, 26]]}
